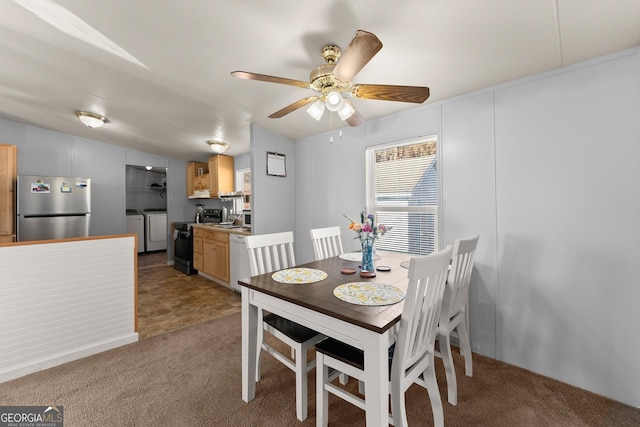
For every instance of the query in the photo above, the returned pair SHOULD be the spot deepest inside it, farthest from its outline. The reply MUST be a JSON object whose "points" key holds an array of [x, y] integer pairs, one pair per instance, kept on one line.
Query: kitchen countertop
{"points": [[225, 229]]}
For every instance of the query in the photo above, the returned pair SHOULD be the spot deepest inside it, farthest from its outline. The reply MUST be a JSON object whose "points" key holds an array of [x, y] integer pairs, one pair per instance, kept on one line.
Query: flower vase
{"points": [[367, 255]]}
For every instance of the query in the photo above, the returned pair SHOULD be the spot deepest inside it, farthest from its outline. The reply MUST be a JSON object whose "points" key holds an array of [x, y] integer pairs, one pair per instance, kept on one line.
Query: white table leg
{"points": [[376, 378], [249, 343]]}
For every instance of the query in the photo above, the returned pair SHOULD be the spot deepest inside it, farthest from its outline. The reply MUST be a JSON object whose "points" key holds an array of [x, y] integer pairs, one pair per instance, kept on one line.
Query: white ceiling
{"points": [[180, 92]]}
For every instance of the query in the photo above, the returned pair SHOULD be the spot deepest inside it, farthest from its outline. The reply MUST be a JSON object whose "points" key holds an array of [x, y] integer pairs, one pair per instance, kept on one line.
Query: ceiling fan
{"points": [[333, 79]]}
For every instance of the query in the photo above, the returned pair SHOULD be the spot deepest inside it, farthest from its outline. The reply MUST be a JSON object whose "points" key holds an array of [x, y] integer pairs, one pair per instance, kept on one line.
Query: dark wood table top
{"points": [[319, 296]]}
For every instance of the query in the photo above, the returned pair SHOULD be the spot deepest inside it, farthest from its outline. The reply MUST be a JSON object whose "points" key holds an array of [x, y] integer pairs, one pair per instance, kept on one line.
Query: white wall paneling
{"points": [[468, 204], [332, 176], [63, 301], [544, 169], [45, 152], [273, 196], [568, 209]]}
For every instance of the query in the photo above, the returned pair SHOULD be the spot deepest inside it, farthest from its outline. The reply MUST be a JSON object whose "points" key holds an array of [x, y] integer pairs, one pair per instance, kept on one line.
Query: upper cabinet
{"points": [[220, 174], [197, 179], [8, 160], [205, 180]]}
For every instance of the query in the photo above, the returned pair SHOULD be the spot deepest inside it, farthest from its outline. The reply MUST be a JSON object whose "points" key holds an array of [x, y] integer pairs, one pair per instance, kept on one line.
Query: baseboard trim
{"points": [[32, 366]]}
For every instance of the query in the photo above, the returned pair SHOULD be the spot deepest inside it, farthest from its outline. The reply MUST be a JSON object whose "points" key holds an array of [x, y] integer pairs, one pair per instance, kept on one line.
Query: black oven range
{"points": [[183, 241]]}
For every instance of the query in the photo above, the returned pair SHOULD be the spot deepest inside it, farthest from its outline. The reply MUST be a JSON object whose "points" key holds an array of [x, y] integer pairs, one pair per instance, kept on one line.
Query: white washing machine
{"points": [[135, 225], [155, 229]]}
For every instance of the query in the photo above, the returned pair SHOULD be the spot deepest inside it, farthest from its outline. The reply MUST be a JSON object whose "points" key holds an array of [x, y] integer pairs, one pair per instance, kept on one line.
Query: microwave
{"points": [[246, 219]]}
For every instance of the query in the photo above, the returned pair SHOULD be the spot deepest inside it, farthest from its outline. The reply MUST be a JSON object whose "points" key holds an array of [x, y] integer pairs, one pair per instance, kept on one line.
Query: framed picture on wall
{"points": [[276, 164]]}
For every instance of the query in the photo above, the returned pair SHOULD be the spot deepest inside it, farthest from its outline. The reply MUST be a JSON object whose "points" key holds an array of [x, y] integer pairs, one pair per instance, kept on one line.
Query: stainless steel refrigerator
{"points": [[53, 207]]}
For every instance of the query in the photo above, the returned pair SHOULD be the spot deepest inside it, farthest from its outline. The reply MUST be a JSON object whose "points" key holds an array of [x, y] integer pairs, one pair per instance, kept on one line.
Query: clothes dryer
{"points": [[155, 221]]}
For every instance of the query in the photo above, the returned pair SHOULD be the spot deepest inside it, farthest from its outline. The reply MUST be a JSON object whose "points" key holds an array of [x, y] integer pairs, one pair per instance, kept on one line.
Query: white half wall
{"points": [[64, 300]]}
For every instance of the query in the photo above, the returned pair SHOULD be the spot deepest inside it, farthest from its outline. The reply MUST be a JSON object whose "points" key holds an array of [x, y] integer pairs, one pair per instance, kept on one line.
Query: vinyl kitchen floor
{"points": [[169, 299]]}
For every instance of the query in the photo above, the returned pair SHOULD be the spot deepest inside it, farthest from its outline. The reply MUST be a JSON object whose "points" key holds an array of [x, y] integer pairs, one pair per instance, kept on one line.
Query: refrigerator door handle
{"points": [[55, 215]]}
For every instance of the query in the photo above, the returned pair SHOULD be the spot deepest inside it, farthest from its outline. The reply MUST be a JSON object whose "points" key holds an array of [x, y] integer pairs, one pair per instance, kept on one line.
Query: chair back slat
{"points": [[270, 252], [423, 302], [457, 290], [327, 242]]}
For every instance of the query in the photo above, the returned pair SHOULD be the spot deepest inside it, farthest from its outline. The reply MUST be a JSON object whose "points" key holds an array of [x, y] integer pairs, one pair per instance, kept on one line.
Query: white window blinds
{"points": [[403, 192]]}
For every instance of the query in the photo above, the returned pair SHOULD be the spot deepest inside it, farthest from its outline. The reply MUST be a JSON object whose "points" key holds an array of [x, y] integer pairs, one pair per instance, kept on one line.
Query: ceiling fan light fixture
{"points": [[218, 146], [346, 111], [91, 120], [334, 101], [316, 110]]}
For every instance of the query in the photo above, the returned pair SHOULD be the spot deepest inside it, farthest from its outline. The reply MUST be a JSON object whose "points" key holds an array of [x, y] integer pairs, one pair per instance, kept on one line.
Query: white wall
{"points": [[272, 200], [568, 207], [46, 152], [469, 203], [544, 169]]}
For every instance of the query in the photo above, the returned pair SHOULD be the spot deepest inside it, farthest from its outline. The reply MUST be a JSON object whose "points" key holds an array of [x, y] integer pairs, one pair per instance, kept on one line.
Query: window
{"points": [[243, 183], [402, 191]]}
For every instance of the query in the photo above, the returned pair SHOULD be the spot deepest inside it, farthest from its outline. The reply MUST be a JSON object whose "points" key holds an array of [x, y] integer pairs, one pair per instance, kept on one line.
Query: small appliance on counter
{"points": [[199, 213], [225, 214], [246, 219], [212, 215]]}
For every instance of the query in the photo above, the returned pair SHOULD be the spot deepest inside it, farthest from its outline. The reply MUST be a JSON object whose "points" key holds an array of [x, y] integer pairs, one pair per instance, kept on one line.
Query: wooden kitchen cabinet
{"points": [[201, 182], [221, 174], [197, 182], [216, 254], [8, 168], [198, 248]]}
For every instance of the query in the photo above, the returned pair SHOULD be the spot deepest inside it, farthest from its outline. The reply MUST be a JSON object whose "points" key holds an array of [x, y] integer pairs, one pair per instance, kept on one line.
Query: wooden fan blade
{"points": [[362, 48], [290, 108], [355, 119], [416, 94], [271, 79]]}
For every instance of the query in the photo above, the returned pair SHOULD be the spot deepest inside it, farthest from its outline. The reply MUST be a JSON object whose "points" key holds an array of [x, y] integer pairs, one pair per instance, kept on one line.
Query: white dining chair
{"points": [[268, 253], [412, 354], [454, 316], [327, 242]]}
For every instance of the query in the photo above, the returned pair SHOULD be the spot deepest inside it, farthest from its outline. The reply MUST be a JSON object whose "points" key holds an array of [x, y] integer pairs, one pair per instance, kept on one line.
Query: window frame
{"points": [[370, 197]]}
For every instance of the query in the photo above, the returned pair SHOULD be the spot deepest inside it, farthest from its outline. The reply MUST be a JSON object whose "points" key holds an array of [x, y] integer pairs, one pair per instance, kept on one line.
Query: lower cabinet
{"points": [[211, 253], [216, 255], [198, 248]]}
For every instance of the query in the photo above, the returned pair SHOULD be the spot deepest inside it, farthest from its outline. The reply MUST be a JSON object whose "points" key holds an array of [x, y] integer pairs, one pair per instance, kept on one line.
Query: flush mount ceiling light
{"points": [[218, 146], [91, 120], [148, 167]]}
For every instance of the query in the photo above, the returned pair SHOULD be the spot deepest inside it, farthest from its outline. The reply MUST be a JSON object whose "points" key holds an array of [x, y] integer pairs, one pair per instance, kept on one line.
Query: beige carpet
{"points": [[192, 377]]}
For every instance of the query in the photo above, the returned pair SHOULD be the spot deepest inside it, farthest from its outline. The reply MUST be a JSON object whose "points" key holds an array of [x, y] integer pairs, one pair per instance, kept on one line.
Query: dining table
{"points": [[312, 302]]}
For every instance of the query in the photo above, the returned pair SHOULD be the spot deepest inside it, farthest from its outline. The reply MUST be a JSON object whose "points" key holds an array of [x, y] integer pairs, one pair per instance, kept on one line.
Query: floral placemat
{"points": [[299, 275], [355, 256], [368, 293]]}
